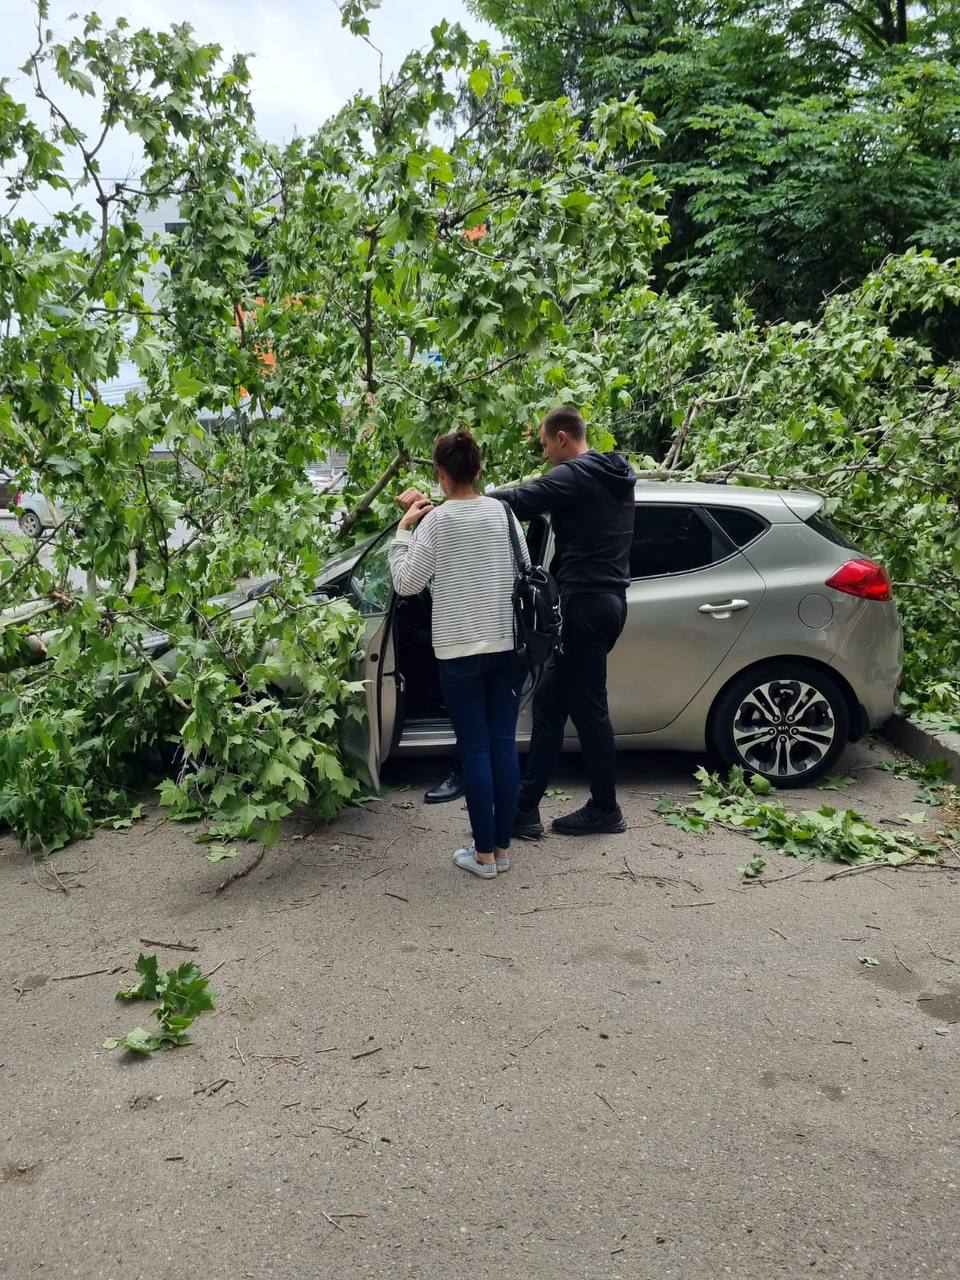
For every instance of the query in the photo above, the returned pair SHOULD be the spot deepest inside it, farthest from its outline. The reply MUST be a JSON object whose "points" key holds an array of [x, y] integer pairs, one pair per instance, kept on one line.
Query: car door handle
{"points": [[724, 608]]}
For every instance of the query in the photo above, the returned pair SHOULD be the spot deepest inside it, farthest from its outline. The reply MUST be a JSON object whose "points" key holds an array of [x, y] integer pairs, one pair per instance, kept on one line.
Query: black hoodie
{"points": [[590, 500]]}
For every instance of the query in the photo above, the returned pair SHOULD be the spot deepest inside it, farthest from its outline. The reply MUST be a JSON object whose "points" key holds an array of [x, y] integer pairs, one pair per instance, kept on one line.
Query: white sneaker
{"points": [[466, 860]]}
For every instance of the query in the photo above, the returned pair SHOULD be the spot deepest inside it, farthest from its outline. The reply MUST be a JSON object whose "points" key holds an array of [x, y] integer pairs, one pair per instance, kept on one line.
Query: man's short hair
{"points": [[565, 418]]}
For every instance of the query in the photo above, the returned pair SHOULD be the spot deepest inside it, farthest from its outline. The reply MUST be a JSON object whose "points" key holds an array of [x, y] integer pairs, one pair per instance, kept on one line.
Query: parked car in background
{"points": [[36, 513]]}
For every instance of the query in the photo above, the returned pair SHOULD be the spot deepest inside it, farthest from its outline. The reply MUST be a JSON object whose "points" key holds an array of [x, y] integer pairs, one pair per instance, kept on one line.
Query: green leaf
{"points": [[480, 80], [222, 851], [753, 868], [150, 986]]}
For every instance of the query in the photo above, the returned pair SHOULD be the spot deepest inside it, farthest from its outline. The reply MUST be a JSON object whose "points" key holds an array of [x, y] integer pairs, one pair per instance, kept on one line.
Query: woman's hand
{"points": [[409, 497], [415, 512]]}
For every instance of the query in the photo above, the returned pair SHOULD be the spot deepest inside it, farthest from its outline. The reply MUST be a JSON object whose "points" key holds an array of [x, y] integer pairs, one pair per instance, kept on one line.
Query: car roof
{"points": [[776, 505]]}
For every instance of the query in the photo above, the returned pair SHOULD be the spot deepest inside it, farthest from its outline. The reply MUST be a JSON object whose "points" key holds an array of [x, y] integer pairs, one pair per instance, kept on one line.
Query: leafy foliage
{"points": [[183, 994], [933, 776], [849, 404], [441, 250], [803, 142], [748, 804], [460, 246]]}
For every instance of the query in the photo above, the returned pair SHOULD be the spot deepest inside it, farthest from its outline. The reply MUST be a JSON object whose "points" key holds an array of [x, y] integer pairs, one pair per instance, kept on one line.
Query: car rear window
{"points": [[673, 539], [740, 526], [827, 529]]}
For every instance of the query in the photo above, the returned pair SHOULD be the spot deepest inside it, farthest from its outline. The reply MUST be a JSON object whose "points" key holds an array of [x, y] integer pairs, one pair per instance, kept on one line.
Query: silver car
{"points": [[36, 513], [754, 630]]}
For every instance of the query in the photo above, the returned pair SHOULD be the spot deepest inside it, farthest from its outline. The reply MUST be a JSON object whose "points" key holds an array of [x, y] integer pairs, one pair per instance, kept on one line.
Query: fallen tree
{"points": [[357, 290]]}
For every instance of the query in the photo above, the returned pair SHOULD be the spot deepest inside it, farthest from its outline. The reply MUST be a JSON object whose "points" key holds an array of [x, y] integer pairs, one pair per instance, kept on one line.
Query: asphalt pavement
{"points": [[615, 1060]]}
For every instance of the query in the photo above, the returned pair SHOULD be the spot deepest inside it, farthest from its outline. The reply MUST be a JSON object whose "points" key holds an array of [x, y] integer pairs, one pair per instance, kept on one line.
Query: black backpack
{"points": [[536, 609]]}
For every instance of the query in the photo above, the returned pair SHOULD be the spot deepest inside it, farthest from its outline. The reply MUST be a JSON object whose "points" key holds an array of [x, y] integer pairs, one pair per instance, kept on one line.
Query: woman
{"points": [[463, 549]]}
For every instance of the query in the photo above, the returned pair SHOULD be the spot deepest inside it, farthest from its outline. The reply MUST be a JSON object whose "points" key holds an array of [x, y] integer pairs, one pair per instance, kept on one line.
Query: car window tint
{"points": [[672, 539], [371, 584], [827, 529], [740, 526]]}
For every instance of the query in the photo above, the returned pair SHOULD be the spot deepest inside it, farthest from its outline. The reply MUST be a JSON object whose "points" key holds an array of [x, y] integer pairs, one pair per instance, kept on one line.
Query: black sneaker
{"points": [[590, 821], [451, 788], [527, 824]]}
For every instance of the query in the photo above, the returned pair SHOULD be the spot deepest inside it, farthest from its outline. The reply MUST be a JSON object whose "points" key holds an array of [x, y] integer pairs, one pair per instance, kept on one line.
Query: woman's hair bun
{"points": [[459, 455]]}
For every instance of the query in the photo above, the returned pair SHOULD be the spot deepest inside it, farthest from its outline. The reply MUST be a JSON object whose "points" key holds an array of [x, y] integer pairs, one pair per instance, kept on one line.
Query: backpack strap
{"points": [[514, 538]]}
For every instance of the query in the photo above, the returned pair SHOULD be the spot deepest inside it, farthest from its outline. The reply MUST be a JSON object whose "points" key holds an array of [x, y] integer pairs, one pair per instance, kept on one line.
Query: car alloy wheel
{"points": [[784, 727], [30, 524], [785, 720]]}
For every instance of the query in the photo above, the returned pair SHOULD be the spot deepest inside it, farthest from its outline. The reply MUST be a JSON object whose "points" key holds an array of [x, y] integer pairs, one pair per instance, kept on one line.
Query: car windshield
{"points": [[371, 585]]}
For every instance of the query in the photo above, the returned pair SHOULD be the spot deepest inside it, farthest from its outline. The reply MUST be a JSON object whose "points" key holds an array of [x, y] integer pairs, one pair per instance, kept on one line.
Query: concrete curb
{"points": [[924, 744]]}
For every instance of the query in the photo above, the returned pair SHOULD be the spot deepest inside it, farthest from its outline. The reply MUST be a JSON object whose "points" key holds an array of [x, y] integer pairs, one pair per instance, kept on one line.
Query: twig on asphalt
{"points": [[52, 871], [169, 946], [236, 1041], [347, 1133], [939, 956], [90, 973], [607, 1105], [867, 866], [387, 847], [680, 905], [331, 1221], [900, 961], [536, 1037], [564, 906], [373, 874], [779, 879], [366, 1053], [399, 898], [636, 876], [244, 871], [779, 934]]}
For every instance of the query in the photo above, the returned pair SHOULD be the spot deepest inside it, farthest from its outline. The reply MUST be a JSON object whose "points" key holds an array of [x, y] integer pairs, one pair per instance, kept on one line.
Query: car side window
{"points": [[371, 584], [741, 527], [673, 539]]}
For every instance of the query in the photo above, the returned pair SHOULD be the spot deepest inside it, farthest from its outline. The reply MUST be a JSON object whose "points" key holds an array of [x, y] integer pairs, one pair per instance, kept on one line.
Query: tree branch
{"points": [[368, 499]]}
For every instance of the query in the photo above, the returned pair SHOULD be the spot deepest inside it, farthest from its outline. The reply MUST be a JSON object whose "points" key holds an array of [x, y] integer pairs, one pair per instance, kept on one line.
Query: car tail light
{"points": [[862, 578], [18, 498]]}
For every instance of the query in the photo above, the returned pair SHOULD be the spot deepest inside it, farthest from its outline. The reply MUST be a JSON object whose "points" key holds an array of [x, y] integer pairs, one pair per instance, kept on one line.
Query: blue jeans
{"points": [[482, 694]]}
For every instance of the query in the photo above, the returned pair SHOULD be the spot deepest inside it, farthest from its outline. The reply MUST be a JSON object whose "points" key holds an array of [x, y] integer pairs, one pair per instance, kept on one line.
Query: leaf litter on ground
{"points": [[747, 803], [183, 994]]}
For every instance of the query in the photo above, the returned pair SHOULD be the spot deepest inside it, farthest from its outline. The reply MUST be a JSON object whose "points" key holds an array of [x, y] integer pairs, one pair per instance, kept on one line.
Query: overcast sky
{"points": [[304, 65]]}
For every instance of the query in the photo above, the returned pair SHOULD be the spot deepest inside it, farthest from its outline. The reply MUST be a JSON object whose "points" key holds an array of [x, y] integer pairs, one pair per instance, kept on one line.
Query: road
{"points": [[617, 1060]]}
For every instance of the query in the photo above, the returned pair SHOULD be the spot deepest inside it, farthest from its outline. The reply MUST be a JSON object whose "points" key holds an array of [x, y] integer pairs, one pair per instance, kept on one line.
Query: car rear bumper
{"points": [[870, 659]]}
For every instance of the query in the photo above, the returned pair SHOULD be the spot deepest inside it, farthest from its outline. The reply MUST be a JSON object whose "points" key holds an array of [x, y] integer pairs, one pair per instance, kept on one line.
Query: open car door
{"points": [[371, 593]]}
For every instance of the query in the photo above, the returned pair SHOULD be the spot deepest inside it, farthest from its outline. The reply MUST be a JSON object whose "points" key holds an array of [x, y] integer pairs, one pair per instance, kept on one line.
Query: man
{"points": [[590, 499]]}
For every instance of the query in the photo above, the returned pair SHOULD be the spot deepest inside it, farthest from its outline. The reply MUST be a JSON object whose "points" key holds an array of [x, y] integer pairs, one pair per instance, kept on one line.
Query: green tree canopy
{"points": [[803, 142]]}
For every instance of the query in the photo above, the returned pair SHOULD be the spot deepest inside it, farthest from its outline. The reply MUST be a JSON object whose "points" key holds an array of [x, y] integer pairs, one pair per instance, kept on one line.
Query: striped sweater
{"points": [[463, 549]]}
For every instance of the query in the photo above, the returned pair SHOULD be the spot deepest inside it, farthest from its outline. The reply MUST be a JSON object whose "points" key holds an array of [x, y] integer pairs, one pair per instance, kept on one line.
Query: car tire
{"points": [[788, 721], [30, 524]]}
